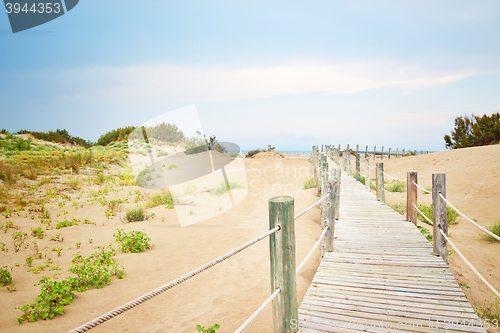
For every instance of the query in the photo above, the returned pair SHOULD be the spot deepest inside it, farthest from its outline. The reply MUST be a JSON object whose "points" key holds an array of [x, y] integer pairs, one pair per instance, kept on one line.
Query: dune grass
{"points": [[396, 187], [136, 214], [494, 228], [222, 187], [427, 210], [160, 198], [310, 183]]}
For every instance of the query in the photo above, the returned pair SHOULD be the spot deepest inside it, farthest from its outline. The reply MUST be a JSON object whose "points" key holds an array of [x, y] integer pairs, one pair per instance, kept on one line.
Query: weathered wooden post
{"points": [[382, 153], [320, 175], [411, 196], [324, 185], [397, 152], [403, 152], [380, 182], [439, 218], [366, 152], [389, 153], [374, 150], [367, 177], [314, 156], [358, 168], [357, 149], [336, 193], [329, 219], [282, 252]]}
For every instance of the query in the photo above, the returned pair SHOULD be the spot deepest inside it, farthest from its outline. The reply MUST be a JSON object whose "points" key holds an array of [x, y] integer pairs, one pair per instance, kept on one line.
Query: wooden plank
{"points": [[373, 276]]}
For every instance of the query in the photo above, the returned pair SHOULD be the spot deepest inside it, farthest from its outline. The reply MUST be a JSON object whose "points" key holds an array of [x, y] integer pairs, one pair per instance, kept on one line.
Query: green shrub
{"points": [[399, 207], [223, 187], [427, 210], [494, 228], [425, 232], [133, 241], [95, 270], [396, 187], [210, 329], [53, 296], [5, 276], [37, 232], [66, 223], [251, 153], [172, 166], [160, 198], [310, 183], [136, 214]]}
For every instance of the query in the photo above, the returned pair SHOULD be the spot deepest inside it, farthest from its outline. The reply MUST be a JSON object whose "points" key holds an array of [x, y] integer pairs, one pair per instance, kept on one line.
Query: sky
{"points": [[290, 74]]}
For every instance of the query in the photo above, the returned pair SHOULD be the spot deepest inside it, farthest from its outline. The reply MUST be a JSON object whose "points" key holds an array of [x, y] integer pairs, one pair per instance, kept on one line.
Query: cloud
{"points": [[195, 84]]}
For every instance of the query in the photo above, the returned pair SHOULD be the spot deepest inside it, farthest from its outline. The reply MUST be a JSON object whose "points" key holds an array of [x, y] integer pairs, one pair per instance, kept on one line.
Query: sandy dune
{"points": [[226, 294]]}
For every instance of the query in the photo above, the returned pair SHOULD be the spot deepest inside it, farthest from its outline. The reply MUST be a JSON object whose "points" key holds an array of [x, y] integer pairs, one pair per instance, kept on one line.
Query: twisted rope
{"points": [[425, 217], [258, 311], [470, 265], [399, 180], [310, 207], [423, 189], [371, 181], [119, 310], [383, 189], [468, 219], [312, 250]]}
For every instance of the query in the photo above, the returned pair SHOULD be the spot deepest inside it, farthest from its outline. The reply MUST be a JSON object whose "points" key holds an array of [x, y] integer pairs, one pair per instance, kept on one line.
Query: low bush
{"points": [[427, 210], [160, 198], [136, 214], [310, 183], [54, 295], [223, 187], [494, 228], [251, 153], [133, 241], [399, 207], [396, 187]]}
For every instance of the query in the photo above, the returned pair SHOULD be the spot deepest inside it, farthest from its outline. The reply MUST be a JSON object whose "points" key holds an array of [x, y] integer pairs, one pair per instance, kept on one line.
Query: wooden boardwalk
{"points": [[382, 276]]}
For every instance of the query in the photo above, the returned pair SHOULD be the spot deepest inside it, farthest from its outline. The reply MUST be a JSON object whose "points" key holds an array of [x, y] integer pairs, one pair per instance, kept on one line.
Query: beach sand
{"points": [[226, 294]]}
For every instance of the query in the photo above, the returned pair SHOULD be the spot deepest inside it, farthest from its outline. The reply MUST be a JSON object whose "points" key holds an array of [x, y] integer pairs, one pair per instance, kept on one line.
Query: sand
{"points": [[473, 186], [226, 294], [230, 292]]}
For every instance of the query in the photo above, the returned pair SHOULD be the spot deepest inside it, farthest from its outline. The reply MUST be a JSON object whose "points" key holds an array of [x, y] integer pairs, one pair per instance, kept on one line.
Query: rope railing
{"points": [[258, 311], [312, 250], [399, 180], [420, 187], [468, 219], [383, 189], [418, 210], [119, 310], [310, 207], [470, 265]]}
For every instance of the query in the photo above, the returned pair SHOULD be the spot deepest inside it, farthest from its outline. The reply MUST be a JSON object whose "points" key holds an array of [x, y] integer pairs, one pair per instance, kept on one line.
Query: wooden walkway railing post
{"points": [[358, 168], [380, 182], [382, 153], [366, 152], [439, 218], [367, 177], [282, 252], [329, 219], [397, 152], [336, 191], [389, 153], [411, 196], [324, 183]]}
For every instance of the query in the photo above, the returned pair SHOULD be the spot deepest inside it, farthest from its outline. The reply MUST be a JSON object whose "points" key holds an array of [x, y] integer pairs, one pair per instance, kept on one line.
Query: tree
{"points": [[474, 131]]}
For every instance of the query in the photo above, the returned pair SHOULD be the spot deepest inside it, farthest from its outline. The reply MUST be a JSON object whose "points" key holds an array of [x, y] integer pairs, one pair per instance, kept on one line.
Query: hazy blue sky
{"points": [[287, 73]]}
